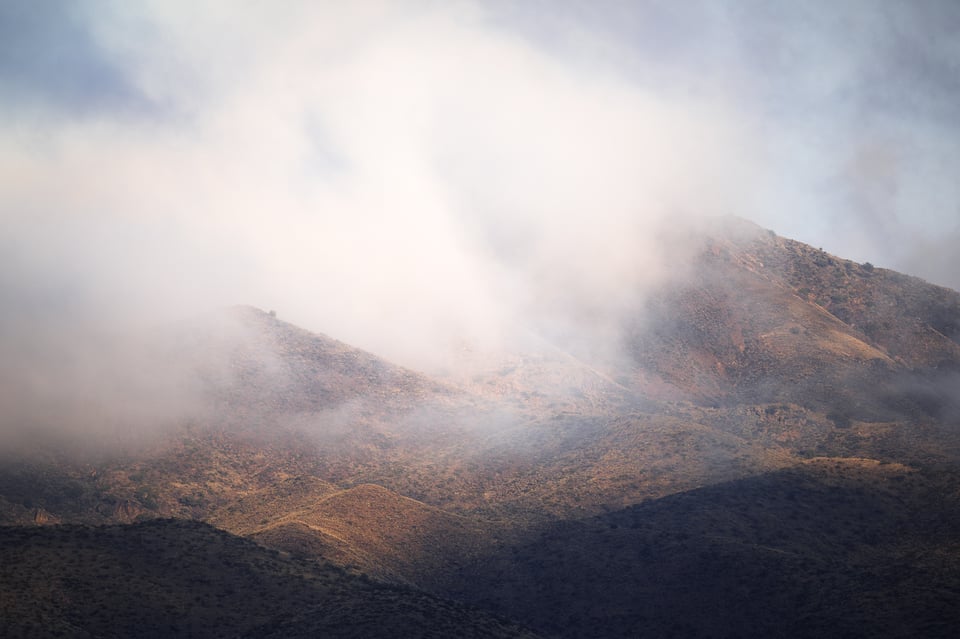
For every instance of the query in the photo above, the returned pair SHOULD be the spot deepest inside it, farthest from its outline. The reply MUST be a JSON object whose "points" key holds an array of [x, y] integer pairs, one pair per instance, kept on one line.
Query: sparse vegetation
{"points": [[175, 578]]}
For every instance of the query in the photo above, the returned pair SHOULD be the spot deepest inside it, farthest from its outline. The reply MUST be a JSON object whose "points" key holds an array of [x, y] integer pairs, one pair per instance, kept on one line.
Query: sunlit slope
{"points": [[381, 534], [909, 318], [758, 318], [190, 474], [727, 333], [366, 528]]}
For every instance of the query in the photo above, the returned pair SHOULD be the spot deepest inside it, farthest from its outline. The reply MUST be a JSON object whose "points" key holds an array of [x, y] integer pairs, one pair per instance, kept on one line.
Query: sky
{"points": [[397, 174]]}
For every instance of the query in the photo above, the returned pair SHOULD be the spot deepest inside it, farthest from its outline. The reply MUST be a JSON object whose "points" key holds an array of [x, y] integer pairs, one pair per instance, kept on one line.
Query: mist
{"points": [[409, 177]]}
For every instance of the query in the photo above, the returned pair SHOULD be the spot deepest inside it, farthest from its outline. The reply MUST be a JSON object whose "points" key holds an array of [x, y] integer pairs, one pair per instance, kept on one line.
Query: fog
{"points": [[412, 176]]}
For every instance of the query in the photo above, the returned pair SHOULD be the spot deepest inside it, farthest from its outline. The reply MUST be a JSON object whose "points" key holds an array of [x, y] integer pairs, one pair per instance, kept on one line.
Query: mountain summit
{"points": [[762, 318]]}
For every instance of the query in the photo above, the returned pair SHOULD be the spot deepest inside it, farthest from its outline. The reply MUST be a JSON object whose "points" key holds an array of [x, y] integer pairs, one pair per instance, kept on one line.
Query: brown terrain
{"points": [[772, 451]]}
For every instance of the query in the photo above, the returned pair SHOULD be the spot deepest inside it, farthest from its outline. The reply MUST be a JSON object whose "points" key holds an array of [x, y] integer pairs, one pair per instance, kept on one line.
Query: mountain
{"points": [[769, 446]]}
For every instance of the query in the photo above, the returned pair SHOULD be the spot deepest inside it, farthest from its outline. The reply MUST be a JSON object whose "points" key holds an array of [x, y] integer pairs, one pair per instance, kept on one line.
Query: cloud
{"points": [[403, 176], [50, 61], [859, 107], [389, 177]]}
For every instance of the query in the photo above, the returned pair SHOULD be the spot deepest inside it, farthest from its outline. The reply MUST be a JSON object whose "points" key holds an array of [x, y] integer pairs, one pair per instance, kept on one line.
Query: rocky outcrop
{"points": [[43, 517]]}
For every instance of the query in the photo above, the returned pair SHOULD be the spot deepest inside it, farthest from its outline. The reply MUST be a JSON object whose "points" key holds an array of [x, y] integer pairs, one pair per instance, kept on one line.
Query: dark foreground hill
{"points": [[170, 578], [830, 548]]}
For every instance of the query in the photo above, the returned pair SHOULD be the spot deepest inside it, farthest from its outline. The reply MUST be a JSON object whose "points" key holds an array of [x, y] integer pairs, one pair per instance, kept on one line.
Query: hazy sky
{"points": [[397, 172]]}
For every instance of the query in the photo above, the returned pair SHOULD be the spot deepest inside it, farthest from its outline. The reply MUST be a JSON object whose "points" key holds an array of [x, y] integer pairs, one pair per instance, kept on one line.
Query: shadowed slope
{"points": [[178, 579], [831, 548]]}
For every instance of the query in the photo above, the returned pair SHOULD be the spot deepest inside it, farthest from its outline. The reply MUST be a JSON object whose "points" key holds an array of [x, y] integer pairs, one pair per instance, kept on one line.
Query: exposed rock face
{"points": [[43, 518], [126, 511]]}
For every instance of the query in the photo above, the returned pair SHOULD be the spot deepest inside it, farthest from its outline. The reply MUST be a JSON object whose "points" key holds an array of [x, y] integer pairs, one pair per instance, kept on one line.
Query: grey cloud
{"points": [[935, 259], [50, 59]]}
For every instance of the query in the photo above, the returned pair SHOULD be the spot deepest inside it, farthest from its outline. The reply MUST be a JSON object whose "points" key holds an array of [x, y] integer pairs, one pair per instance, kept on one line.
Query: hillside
{"points": [[910, 319], [366, 528], [829, 548], [759, 318], [250, 363], [175, 578]]}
